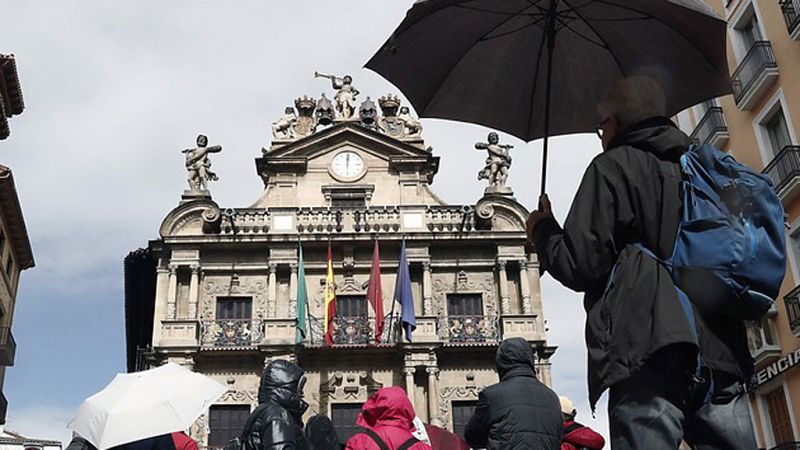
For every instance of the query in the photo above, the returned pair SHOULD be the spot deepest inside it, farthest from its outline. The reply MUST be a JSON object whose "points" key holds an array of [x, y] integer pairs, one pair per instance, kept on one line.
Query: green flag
{"points": [[302, 297]]}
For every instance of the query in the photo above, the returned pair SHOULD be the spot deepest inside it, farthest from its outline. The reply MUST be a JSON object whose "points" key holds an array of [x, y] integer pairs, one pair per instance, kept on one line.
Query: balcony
{"points": [[8, 347], [231, 333], [471, 329], [791, 15], [369, 220], [784, 170], [755, 74], [762, 339], [3, 408], [711, 129], [357, 330], [787, 446], [792, 302]]}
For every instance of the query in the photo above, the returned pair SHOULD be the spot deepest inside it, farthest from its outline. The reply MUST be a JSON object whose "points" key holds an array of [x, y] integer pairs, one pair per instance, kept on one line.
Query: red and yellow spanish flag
{"points": [[330, 300]]}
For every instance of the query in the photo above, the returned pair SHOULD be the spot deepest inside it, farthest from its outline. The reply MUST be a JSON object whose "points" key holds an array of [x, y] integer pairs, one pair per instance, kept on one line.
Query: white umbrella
{"points": [[140, 405]]}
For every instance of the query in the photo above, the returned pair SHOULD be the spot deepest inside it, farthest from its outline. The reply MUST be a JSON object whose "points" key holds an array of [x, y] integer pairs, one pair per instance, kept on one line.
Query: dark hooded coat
{"points": [[519, 412], [276, 424], [631, 194]]}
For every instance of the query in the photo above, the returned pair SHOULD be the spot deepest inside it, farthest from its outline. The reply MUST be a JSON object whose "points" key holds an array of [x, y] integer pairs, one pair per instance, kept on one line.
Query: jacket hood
{"points": [[387, 407], [281, 383], [657, 135], [514, 357]]}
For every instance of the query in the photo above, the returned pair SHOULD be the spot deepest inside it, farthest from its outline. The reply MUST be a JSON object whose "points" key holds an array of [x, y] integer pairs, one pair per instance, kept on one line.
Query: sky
{"points": [[115, 89]]}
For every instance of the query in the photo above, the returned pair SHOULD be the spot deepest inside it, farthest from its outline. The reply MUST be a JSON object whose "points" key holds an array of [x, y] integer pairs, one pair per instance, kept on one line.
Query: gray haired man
{"points": [[640, 344]]}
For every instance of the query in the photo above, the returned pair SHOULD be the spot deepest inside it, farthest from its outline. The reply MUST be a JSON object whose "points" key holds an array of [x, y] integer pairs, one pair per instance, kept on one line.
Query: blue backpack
{"points": [[730, 251]]}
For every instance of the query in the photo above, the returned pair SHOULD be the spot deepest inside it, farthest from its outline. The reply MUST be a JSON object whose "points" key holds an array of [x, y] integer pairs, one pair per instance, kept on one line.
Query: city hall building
{"points": [[218, 291]]}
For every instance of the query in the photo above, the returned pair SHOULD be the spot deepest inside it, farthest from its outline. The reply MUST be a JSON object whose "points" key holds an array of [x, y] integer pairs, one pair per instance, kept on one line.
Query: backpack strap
{"points": [[377, 439], [572, 427], [408, 444]]}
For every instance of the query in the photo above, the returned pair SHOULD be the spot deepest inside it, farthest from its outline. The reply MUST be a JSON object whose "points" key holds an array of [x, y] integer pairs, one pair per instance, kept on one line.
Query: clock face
{"points": [[347, 164]]}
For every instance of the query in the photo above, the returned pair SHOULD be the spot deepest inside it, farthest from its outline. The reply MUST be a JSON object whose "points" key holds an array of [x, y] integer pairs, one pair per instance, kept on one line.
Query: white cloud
{"points": [[41, 422]]}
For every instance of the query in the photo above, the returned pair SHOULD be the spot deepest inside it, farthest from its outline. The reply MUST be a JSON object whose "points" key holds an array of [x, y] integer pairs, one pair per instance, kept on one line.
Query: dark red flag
{"points": [[375, 293]]}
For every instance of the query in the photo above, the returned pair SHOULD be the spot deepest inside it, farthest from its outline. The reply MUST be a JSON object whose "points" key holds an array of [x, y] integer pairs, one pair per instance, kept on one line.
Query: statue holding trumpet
{"points": [[345, 97]]}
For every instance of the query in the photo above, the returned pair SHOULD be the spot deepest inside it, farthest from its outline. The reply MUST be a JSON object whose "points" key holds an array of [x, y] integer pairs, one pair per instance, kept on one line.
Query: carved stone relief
{"points": [[347, 387], [248, 396], [455, 393], [220, 286]]}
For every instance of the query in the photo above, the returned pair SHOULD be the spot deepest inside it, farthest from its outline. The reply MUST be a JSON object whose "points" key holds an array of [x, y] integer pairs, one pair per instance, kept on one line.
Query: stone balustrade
{"points": [[373, 219]]}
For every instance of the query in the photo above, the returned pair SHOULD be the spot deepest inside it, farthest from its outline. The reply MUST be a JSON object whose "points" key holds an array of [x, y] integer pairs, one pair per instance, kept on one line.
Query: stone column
{"points": [[293, 291], [525, 287], [172, 291], [433, 396], [410, 391], [194, 291], [427, 289], [272, 290], [505, 300]]}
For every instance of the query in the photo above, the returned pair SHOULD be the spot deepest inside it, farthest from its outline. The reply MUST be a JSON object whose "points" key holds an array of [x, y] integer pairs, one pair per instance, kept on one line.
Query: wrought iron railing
{"points": [[791, 14], [8, 347], [471, 328], [231, 333], [143, 354], [784, 167], [792, 302], [713, 122], [351, 330], [787, 446], [758, 59]]}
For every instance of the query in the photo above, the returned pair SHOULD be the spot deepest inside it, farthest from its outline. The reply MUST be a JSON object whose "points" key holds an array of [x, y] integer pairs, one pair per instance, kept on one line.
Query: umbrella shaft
{"points": [[551, 44]]}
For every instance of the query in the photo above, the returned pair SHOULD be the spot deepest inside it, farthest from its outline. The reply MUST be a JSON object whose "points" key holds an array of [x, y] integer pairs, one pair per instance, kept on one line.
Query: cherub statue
{"points": [[413, 126], [198, 165], [497, 163], [345, 97], [283, 128]]}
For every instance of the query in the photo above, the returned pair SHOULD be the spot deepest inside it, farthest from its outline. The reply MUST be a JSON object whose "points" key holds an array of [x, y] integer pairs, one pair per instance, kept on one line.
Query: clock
{"points": [[348, 165]]}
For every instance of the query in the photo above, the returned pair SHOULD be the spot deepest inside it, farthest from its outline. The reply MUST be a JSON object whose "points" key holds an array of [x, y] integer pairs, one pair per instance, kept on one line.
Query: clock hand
{"points": [[347, 162]]}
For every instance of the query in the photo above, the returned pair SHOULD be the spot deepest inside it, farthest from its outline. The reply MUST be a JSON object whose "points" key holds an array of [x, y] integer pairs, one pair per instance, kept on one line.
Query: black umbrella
{"points": [[507, 64]]}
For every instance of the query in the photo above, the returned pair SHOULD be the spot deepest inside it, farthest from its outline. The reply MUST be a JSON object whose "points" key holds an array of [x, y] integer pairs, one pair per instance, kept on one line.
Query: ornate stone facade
{"points": [[227, 278]]}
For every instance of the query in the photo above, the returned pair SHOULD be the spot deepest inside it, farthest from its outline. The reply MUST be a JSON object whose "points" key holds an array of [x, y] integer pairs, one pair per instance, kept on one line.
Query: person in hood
{"points": [[387, 418], [276, 423], [577, 436], [519, 412], [321, 434], [639, 340]]}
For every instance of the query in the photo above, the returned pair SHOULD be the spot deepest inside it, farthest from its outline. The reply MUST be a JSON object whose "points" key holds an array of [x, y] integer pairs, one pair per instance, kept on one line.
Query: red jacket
{"points": [[389, 414], [577, 436], [183, 442]]}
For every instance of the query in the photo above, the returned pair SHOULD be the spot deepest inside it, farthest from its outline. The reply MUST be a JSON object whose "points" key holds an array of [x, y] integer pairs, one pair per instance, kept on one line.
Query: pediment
{"points": [[380, 145]]}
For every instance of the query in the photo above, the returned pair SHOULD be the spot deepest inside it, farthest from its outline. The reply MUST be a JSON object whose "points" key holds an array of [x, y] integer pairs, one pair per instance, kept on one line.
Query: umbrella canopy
{"points": [[139, 405], [509, 64]]}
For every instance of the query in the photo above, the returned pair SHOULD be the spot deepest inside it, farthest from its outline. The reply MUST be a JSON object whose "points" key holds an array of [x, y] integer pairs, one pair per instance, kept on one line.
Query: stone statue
{"points": [[325, 111], [345, 97], [413, 127], [368, 113], [497, 163], [198, 165], [306, 124], [283, 128], [389, 122]]}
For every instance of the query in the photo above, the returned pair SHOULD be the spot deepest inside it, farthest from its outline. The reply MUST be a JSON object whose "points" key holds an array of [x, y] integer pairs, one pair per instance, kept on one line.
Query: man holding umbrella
{"points": [[640, 344]]}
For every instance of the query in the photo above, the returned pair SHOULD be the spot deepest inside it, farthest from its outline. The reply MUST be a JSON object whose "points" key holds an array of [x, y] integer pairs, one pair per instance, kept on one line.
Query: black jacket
{"points": [[630, 194], [519, 412], [276, 424]]}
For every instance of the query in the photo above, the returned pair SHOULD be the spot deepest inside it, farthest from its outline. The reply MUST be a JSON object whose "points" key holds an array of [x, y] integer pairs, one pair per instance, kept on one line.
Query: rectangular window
{"points": [[462, 412], [778, 132], [465, 304], [348, 202], [234, 308], [343, 416], [792, 302], [225, 422], [9, 266], [750, 32], [779, 417], [351, 306]]}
